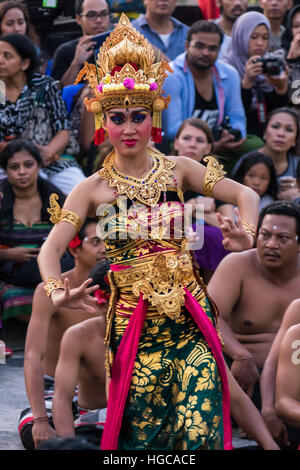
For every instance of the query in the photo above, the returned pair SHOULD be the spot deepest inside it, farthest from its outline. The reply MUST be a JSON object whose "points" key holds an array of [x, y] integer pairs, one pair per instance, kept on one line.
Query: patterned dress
{"points": [[175, 395]]}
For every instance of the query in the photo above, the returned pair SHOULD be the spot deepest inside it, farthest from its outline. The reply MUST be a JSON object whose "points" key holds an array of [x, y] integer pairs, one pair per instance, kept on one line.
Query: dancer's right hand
{"points": [[77, 298]]}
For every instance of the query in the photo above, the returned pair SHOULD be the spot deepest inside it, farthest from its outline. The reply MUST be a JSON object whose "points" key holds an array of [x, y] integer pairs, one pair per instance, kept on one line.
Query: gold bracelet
{"points": [[249, 228], [53, 284], [214, 173], [62, 215]]}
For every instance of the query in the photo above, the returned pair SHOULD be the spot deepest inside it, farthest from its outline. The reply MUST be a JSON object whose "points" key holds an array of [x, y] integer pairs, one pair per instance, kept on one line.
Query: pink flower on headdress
{"points": [[128, 83], [153, 86], [100, 87]]}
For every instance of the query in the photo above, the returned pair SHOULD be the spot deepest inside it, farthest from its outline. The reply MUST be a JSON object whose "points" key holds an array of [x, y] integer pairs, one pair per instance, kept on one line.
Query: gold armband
{"points": [[53, 284], [249, 228], [62, 215], [214, 173]]}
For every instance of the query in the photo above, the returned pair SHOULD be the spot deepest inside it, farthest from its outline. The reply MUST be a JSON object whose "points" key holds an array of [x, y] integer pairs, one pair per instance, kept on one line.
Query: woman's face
{"points": [[192, 142], [11, 63], [13, 22], [129, 129], [258, 178], [296, 24], [22, 170], [281, 132], [259, 41]]}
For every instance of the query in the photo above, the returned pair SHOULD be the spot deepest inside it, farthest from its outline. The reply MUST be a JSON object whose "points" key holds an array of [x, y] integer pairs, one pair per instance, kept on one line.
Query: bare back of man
{"points": [[81, 362]]}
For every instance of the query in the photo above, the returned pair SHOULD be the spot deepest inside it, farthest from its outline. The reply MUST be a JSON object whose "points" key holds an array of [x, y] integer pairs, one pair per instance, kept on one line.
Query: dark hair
{"points": [[25, 48], [82, 232], [251, 160], [298, 172], [287, 35], [67, 443], [286, 208], [78, 6], [17, 146], [99, 275], [204, 26], [8, 5], [199, 124], [285, 110]]}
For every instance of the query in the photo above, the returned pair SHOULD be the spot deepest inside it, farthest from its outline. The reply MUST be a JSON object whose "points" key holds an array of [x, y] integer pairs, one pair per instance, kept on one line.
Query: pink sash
{"points": [[123, 364]]}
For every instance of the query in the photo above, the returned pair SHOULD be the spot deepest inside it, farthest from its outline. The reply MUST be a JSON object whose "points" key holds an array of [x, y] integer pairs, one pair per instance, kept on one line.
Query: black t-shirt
{"points": [[208, 111], [63, 57]]}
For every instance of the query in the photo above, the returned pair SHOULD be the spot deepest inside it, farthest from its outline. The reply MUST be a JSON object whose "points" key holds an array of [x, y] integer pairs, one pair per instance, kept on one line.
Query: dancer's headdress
{"points": [[125, 75]]}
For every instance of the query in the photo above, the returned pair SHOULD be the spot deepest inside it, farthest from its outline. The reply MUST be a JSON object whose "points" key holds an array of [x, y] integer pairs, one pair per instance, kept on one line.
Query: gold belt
{"points": [[161, 281]]}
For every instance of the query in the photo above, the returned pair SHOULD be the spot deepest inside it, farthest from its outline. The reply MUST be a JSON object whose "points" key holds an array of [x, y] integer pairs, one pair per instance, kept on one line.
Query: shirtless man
{"points": [[81, 362], [252, 290], [288, 383], [268, 377], [46, 328]]}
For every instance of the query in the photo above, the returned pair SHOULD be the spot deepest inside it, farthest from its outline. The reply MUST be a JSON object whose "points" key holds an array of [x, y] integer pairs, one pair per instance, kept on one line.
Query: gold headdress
{"points": [[125, 75]]}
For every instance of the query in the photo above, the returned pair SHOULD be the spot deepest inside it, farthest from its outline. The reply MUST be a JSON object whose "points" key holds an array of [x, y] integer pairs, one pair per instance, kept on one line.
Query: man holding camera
{"points": [[93, 16], [203, 87]]}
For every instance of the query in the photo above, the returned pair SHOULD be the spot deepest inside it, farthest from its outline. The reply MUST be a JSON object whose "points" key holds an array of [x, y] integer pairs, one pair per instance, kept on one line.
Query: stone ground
{"points": [[13, 394]]}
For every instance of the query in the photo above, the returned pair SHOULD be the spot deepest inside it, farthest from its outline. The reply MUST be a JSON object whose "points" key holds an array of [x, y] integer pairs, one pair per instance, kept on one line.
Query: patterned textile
{"points": [[175, 395], [38, 114]]}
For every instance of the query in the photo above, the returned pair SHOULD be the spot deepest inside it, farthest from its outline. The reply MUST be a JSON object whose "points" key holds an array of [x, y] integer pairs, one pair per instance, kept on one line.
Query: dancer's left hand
{"points": [[235, 237]]}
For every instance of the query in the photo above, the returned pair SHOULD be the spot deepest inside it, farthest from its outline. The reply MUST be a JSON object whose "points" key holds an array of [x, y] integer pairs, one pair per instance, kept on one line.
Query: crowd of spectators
{"points": [[234, 94]]}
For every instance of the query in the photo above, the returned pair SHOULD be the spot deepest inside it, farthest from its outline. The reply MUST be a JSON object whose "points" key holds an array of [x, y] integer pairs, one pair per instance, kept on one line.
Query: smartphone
{"points": [[99, 40]]}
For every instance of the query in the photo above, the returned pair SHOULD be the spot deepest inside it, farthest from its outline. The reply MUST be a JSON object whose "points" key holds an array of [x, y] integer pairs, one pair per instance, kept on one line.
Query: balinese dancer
{"points": [[168, 385]]}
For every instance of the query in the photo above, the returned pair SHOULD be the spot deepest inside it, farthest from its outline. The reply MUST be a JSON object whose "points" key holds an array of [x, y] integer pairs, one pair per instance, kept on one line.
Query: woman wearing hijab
{"points": [[261, 92]]}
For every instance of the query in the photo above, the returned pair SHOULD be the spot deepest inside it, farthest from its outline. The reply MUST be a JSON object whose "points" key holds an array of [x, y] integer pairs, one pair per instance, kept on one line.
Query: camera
{"points": [[272, 65], [225, 125]]}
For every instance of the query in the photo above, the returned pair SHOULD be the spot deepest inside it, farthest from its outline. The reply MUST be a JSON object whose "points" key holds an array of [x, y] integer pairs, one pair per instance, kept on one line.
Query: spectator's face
{"points": [[258, 178], [192, 142], [281, 133], [259, 41], [277, 243], [22, 170], [202, 50], [91, 251], [13, 22], [11, 63], [90, 20], [296, 24], [275, 9], [160, 7], [232, 9]]}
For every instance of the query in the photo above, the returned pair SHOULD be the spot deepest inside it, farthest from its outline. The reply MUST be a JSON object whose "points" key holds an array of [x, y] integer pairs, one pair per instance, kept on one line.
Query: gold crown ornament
{"points": [[126, 75]]}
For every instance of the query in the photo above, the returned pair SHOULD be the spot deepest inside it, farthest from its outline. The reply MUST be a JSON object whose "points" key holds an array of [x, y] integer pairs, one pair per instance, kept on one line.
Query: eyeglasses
{"points": [[93, 15], [200, 46]]}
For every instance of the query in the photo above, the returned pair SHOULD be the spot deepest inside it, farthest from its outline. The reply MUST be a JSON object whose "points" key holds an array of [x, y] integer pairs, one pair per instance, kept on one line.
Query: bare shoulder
{"points": [[292, 334], [241, 261], [86, 330]]}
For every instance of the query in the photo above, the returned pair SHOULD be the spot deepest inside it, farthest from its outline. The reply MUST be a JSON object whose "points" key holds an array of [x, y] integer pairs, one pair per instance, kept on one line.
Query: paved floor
{"points": [[13, 397]]}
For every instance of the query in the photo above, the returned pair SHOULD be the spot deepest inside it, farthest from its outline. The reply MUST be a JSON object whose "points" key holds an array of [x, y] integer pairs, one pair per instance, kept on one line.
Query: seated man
{"points": [[288, 383], [202, 86], [81, 363], [46, 328], [252, 290], [163, 31], [268, 378], [93, 16]]}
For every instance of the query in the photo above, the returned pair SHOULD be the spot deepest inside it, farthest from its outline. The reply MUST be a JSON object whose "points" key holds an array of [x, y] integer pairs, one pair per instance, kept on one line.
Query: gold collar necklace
{"points": [[147, 190]]}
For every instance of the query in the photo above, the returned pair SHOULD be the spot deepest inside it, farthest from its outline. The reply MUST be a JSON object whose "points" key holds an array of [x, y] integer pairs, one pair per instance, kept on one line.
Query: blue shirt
{"points": [[176, 41], [180, 86]]}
